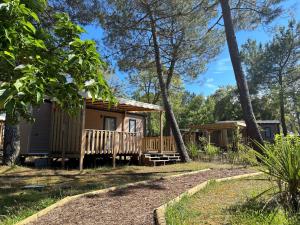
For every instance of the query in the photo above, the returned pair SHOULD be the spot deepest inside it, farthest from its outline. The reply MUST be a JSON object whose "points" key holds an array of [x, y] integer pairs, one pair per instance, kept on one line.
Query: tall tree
{"points": [[170, 34], [273, 66], [38, 63], [195, 109], [245, 14], [145, 88], [227, 105]]}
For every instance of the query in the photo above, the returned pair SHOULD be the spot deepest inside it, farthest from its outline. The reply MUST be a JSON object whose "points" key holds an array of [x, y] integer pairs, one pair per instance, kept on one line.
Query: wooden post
{"points": [[64, 138], [161, 132], [114, 148], [123, 129], [224, 136], [208, 137], [83, 138]]}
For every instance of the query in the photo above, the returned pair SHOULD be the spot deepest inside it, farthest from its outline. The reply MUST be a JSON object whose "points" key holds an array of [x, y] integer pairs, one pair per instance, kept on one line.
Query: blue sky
{"points": [[219, 71]]}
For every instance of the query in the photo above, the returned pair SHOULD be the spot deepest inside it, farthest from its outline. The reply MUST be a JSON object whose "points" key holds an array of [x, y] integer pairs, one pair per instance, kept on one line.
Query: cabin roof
{"points": [[268, 121], [229, 124], [220, 125], [123, 105]]}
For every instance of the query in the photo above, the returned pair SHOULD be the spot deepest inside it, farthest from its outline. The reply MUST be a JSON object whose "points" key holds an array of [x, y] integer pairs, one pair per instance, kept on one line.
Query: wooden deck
{"points": [[123, 143], [70, 139], [111, 142], [116, 143]]}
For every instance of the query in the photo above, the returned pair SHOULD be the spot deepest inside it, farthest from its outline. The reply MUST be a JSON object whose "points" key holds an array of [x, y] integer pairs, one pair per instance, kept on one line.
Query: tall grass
{"points": [[281, 161]]}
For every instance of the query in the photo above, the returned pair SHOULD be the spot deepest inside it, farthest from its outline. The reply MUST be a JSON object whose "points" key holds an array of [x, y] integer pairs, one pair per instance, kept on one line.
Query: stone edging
{"points": [[67, 199], [159, 213]]}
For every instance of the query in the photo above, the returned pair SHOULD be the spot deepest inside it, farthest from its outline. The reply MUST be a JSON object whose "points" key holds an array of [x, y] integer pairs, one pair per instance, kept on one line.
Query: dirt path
{"points": [[129, 206]]}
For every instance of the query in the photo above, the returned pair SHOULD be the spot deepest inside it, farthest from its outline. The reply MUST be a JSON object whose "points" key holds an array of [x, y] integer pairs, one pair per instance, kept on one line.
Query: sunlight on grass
{"points": [[231, 203], [18, 203]]}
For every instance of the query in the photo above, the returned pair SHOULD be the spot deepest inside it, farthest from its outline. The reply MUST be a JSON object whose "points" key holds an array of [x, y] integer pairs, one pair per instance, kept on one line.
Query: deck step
{"points": [[155, 158]]}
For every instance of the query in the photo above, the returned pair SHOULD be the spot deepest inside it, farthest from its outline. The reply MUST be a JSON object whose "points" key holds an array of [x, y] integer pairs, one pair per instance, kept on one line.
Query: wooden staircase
{"points": [[155, 158]]}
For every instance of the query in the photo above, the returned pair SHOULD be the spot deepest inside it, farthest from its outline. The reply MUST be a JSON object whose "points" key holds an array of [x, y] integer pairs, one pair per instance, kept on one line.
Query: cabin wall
{"points": [[139, 123], [269, 130], [35, 137], [94, 119], [66, 133], [57, 133], [25, 131]]}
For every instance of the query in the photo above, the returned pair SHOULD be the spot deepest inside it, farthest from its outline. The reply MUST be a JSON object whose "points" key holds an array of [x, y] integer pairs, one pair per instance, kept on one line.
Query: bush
{"points": [[193, 150], [282, 162], [211, 151], [243, 154]]}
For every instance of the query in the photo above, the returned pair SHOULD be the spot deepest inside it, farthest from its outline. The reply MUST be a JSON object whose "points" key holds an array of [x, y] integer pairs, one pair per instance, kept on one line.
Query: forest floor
{"points": [[19, 202]]}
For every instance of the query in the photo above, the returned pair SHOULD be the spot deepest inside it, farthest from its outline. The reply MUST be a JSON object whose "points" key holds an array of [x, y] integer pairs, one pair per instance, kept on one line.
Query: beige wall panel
{"points": [[94, 119]]}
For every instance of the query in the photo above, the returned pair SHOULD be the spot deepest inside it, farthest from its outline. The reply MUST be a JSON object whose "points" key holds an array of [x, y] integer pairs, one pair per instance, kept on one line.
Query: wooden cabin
{"points": [[223, 133], [268, 129], [98, 130]]}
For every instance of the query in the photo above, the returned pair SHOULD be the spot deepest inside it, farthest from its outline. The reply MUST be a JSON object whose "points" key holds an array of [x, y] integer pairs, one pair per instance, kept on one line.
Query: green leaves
{"points": [[38, 63], [28, 26], [282, 162]]}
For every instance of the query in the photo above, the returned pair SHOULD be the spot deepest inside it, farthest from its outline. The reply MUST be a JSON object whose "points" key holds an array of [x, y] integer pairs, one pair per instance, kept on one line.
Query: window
{"points": [[132, 126], [110, 123], [268, 132]]}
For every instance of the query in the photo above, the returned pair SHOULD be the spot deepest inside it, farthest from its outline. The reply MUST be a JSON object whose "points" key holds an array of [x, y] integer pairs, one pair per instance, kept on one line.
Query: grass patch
{"points": [[230, 203], [18, 203]]}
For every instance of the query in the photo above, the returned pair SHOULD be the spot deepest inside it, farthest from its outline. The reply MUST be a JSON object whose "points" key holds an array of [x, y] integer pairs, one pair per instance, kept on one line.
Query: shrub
{"points": [[211, 151], [282, 162], [193, 150], [243, 154]]}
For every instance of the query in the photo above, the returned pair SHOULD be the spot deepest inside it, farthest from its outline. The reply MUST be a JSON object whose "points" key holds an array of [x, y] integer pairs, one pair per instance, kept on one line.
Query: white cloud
{"points": [[222, 66], [209, 83]]}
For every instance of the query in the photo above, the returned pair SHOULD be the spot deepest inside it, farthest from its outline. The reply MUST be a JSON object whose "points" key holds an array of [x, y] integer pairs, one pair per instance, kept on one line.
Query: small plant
{"points": [[211, 151], [193, 150], [245, 155], [282, 162], [203, 141], [241, 153]]}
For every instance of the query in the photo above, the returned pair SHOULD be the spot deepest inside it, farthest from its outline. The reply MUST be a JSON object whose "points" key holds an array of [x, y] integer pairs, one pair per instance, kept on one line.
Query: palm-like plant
{"points": [[281, 161]]}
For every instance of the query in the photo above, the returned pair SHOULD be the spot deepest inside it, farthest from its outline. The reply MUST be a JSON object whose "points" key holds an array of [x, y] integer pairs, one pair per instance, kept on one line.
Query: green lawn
{"points": [[17, 203], [230, 203]]}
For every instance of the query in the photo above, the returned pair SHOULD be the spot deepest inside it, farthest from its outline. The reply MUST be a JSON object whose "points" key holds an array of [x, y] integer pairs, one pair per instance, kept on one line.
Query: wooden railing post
{"points": [[83, 137], [114, 148], [161, 133]]}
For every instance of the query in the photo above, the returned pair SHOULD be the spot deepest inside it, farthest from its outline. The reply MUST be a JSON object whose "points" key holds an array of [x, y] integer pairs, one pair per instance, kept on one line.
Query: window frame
{"points": [[268, 132], [129, 125], [105, 121]]}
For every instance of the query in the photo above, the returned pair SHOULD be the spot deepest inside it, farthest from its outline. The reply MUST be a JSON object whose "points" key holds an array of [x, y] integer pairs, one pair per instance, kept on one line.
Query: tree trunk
{"points": [[282, 107], [168, 108], [295, 106], [11, 147], [167, 126], [149, 125], [252, 128]]}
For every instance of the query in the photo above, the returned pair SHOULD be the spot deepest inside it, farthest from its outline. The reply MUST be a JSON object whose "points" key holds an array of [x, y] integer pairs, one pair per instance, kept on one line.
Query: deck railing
{"points": [[111, 142], [115, 142], [153, 144], [1, 134]]}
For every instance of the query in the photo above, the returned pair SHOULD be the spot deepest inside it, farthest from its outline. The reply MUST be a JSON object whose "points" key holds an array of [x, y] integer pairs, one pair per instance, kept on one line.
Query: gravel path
{"points": [[129, 206]]}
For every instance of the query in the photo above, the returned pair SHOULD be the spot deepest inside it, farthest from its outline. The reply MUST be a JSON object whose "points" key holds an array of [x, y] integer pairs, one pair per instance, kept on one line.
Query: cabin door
{"points": [[40, 130]]}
